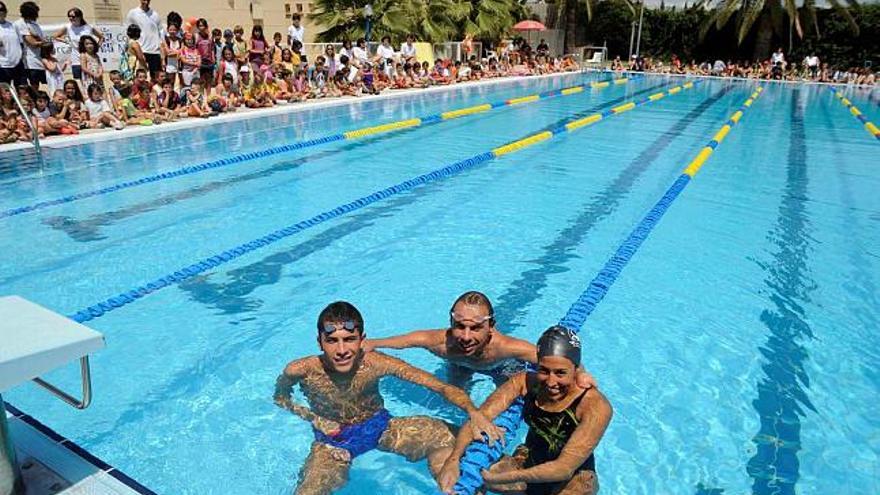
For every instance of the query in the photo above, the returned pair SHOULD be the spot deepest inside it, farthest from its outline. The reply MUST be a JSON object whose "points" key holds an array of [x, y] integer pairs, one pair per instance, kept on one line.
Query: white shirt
{"points": [[296, 33], [32, 59], [408, 50], [74, 33], [96, 107], [359, 54], [385, 51], [777, 57], [812, 61], [10, 45], [151, 27]]}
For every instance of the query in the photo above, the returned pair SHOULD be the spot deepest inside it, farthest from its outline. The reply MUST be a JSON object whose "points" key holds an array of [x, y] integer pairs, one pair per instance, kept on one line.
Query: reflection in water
{"points": [[782, 394]]}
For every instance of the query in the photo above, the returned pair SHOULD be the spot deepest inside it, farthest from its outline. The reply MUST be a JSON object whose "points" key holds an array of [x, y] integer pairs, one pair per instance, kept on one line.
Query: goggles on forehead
{"points": [[349, 325], [459, 318]]}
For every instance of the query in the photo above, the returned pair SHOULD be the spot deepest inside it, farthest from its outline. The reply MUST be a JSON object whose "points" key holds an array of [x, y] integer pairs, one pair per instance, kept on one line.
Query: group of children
{"points": [[70, 106]]}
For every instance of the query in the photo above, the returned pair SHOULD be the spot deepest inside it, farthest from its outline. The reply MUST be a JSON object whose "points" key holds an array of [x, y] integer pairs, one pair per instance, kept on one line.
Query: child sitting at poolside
{"points": [[100, 113], [440, 74], [196, 102], [257, 95], [168, 102], [126, 109], [47, 121], [229, 93]]}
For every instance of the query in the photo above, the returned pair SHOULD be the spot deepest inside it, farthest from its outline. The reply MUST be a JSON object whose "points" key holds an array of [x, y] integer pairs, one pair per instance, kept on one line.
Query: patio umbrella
{"points": [[529, 26]]}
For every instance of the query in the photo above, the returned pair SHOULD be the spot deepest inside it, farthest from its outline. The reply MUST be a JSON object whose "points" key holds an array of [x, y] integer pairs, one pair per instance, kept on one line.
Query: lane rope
{"points": [[479, 455], [208, 263], [867, 124], [348, 135]]}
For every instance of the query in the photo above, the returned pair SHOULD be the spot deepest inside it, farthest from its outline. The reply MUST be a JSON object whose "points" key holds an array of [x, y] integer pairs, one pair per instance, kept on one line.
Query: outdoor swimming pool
{"points": [[738, 346]]}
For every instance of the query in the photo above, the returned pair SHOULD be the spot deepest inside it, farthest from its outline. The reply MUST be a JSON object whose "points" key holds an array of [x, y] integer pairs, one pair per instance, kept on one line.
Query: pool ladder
{"points": [[34, 131]]}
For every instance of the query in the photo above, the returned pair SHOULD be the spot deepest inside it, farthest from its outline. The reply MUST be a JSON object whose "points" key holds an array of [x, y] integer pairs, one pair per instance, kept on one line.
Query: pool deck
{"points": [[94, 135], [51, 463]]}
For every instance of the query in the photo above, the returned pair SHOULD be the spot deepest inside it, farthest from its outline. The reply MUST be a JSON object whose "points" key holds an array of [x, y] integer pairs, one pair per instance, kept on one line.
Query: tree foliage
{"points": [[676, 31], [430, 20]]}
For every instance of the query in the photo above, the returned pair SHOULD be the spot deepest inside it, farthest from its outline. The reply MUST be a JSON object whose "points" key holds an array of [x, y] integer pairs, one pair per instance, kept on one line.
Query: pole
{"points": [[639, 39], [10, 479], [632, 38]]}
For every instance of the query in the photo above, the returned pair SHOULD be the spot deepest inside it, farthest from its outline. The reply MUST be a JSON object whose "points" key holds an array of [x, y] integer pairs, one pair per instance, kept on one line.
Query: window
{"points": [[299, 8], [287, 11]]}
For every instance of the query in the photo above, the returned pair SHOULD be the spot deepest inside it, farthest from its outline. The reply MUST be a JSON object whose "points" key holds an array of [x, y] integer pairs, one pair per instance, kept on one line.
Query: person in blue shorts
{"points": [[346, 409]]}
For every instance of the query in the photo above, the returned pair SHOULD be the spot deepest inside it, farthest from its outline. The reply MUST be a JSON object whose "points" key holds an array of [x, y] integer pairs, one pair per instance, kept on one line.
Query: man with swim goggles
{"points": [[347, 411], [471, 343]]}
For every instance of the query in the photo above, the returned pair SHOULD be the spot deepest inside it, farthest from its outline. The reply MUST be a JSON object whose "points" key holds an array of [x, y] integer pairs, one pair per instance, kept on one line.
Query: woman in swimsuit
{"points": [[565, 422]]}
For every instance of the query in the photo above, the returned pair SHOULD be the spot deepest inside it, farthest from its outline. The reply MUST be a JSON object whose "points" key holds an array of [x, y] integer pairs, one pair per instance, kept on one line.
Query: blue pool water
{"points": [[738, 346]]}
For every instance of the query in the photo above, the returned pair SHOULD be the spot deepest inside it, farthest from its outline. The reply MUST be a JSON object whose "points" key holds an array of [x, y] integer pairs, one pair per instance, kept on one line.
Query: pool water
{"points": [[738, 347]]}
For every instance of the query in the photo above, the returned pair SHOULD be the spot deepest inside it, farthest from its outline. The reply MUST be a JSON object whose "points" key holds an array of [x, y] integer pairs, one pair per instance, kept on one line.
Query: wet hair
{"points": [[340, 311], [474, 298], [560, 341], [133, 32], [29, 10]]}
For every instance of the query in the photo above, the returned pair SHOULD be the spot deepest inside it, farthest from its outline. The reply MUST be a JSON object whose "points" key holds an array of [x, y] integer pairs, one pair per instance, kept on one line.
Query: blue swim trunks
{"points": [[358, 438]]}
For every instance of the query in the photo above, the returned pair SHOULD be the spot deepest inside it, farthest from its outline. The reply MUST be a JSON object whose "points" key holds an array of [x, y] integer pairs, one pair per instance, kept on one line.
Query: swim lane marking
{"points": [[349, 135], [867, 124], [480, 455], [124, 298]]}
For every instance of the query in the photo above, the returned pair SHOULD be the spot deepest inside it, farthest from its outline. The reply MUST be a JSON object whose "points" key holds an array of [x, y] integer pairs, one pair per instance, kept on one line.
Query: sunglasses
{"points": [[347, 325]]}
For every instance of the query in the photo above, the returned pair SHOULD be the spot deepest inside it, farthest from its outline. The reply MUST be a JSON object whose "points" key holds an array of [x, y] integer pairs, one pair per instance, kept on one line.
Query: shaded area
{"points": [[782, 394], [513, 303]]}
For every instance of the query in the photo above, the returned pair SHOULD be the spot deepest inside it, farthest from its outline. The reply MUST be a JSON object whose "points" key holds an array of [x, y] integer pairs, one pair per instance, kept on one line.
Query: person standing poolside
{"points": [[32, 39], [472, 343], [11, 70], [295, 31], [566, 423], [150, 40], [72, 32], [347, 411]]}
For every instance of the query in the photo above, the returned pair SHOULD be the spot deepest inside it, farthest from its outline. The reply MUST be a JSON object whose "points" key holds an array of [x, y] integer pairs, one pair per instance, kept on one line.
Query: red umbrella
{"points": [[529, 26]]}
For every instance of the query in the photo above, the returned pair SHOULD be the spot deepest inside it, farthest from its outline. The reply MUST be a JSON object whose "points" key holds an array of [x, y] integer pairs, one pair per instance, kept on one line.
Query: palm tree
{"points": [[430, 20], [567, 15], [770, 14]]}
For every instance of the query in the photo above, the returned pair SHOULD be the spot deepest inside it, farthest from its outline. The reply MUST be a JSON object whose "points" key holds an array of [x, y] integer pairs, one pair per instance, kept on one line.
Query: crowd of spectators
{"points": [[776, 67], [174, 68]]}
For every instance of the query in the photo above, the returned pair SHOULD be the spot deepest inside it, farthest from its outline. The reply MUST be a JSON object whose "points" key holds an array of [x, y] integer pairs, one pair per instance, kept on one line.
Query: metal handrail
{"points": [[34, 132], [86, 374]]}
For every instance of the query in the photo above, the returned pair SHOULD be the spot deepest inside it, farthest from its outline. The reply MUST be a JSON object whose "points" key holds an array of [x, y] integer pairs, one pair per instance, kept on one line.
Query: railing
{"points": [[85, 373], [35, 133]]}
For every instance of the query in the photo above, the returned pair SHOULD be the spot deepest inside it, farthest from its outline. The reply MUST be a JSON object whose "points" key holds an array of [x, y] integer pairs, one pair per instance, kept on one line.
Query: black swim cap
{"points": [[560, 341]]}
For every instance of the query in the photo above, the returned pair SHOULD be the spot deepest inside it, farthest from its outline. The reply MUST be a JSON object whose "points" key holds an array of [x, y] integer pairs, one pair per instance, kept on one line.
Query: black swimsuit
{"points": [[548, 434]]}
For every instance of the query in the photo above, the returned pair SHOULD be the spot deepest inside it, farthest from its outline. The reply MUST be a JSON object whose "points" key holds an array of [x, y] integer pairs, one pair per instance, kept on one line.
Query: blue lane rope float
{"points": [[348, 135], [124, 298], [867, 124], [480, 455]]}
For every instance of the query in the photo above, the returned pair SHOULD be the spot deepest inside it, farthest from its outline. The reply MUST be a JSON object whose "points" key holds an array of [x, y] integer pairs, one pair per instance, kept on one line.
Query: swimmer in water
{"points": [[565, 422], [472, 343], [347, 411]]}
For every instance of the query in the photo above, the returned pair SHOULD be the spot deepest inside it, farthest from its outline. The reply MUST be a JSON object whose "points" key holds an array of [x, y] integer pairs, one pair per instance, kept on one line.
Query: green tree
{"points": [[430, 20], [769, 16], [572, 13]]}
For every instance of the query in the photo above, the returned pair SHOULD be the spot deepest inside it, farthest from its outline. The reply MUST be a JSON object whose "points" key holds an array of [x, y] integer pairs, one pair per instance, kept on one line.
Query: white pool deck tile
{"points": [[66, 459]]}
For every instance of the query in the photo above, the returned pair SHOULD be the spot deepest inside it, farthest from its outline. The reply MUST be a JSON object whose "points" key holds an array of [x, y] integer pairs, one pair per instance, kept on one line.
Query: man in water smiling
{"points": [[472, 343], [347, 411]]}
